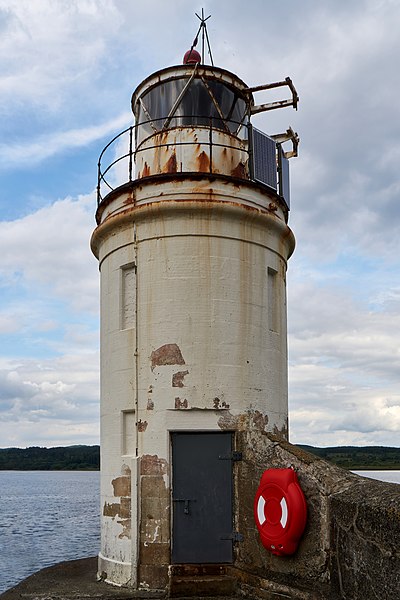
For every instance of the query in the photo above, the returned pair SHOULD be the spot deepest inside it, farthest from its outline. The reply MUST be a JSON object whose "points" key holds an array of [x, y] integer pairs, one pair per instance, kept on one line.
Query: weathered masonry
{"points": [[193, 242]]}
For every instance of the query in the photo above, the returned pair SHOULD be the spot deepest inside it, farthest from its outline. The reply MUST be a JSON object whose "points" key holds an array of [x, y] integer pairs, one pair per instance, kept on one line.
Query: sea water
{"points": [[389, 476], [46, 517]]}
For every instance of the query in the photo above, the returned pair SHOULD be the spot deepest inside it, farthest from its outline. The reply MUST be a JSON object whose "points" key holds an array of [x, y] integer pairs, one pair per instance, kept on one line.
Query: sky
{"points": [[67, 72]]}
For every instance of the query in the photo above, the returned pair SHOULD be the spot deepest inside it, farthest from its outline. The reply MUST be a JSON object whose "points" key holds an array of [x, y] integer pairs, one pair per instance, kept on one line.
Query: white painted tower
{"points": [[192, 242]]}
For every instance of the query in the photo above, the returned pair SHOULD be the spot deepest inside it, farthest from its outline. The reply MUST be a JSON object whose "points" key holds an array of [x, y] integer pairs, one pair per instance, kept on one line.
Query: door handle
{"points": [[186, 503]]}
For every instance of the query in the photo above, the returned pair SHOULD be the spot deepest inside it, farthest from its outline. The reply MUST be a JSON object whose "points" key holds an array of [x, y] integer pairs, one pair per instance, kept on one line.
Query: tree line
{"points": [[87, 458], [358, 457], [64, 458]]}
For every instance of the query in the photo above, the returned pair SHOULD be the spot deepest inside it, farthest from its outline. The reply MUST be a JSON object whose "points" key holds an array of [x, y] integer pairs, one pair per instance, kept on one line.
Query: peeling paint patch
{"points": [[259, 420], [125, 509], [122, 489], [114, 512], [154, 532], [252, 419], [126, 528], [177, 378], [181, 403], [111, 510], [122, 485], [142, 425], [150, 404], [218, 404], [153, 465], [169, 354], [228, 421]]}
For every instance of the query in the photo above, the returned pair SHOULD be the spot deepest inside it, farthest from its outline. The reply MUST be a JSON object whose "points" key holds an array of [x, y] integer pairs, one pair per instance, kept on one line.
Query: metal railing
{"points": [[101, 175], [119, 169]]}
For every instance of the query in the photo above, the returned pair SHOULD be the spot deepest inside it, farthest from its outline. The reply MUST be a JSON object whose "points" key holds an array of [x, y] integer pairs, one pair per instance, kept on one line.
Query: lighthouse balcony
{"points": [[199, 151]]}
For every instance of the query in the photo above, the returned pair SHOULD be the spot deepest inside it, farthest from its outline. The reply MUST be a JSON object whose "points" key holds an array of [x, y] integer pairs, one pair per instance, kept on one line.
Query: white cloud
{"points": [[52, 400], [344, 369], [50, 248], [32, 152], [355, 416], [55, 402], [52, 47]]}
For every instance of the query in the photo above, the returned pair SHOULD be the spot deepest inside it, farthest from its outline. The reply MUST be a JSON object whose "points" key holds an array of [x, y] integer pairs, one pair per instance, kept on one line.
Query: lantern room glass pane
{"points": [[198, 106], [232, 106], [160, 100]]}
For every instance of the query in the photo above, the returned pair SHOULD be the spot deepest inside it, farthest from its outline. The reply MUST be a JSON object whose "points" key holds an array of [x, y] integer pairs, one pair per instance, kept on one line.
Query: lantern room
{"points": [[195, 119]]}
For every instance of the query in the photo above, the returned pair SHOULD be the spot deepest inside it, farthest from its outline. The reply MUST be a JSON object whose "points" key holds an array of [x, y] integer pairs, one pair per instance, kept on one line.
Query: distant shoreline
{"points": [[62, 458], [87, 458], [358, 458]]}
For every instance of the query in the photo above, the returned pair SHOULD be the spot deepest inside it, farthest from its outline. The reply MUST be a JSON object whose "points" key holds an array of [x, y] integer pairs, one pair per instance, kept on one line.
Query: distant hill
{"points": [[87, 458], [358, 457], [64, 458]]}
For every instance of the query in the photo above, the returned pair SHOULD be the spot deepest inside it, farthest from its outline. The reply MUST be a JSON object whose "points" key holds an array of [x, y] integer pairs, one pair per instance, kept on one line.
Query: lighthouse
{"points": [[192, 240]]}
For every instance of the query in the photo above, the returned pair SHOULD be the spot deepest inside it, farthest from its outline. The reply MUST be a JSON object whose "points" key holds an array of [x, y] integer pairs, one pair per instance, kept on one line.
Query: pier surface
{"points": [[75, 580]]}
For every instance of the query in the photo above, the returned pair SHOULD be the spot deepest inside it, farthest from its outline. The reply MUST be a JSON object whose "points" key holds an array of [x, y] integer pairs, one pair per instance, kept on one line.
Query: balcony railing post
{"points": [[98, 183], [211, 146], [130, 152]]}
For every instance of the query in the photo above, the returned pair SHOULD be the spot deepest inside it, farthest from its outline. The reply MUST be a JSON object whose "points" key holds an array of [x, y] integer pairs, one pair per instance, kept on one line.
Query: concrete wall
{"points": [[350, 548]]}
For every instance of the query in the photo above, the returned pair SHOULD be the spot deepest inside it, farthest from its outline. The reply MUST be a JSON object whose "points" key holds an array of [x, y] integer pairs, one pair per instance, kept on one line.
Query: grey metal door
{"points": [[202, 498]]}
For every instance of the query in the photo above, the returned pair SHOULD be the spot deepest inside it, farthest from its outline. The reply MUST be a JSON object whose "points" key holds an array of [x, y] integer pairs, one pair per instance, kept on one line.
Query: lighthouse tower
{"points": [[193, 243]]}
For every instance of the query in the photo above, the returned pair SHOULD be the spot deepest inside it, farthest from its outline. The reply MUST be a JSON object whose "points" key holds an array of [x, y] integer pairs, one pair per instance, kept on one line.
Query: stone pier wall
{"points": [[350, 548]]}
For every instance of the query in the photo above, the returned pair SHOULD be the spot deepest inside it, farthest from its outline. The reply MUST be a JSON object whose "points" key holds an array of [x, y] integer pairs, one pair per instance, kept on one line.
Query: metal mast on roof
{"points": [[204, 37]]}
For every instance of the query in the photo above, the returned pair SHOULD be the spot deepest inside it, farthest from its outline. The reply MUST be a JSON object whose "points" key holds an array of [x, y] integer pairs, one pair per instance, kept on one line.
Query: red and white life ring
{"points": [[280, 511]]}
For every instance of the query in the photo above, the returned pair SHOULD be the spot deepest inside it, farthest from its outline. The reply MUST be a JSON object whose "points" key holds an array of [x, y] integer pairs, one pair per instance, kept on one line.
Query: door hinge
{"points": [[234, 456], [235, 536]]}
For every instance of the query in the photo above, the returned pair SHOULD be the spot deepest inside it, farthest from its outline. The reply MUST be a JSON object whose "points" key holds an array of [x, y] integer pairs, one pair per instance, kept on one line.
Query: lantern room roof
{"points": [[186, 71]]}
